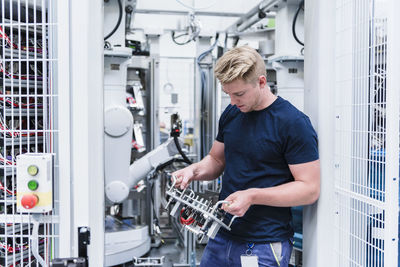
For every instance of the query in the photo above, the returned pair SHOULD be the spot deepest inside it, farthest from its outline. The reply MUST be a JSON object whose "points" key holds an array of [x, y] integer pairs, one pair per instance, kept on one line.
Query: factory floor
{"points": [[174, 255]]}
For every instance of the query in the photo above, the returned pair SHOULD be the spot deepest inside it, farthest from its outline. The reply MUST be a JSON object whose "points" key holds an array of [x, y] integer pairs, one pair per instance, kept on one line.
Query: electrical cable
{"points": [[16, 103], [184, 221], [301, 6], [6, 161], [118, 22], [175, 37], [180, 35], [196, 8], [192, 31], [178, 146], [205, 53], [226, 40], [236, 41], [7, 190], [155, 219], [203, 79], [17, 75], [15, 132], [4, 128], [14, 46], [169, 162], [34, 238]]}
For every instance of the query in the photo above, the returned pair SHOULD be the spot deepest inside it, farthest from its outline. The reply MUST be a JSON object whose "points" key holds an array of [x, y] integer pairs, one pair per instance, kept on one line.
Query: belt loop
{"points": [[250, 247]]}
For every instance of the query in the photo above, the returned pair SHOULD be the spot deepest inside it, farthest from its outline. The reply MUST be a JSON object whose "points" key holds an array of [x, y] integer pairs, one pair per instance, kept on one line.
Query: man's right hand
{"points": [[183, 177]]}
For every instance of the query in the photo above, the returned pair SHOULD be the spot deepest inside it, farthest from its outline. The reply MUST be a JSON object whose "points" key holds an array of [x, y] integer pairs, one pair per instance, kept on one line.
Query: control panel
{"points": [[34, 183]]}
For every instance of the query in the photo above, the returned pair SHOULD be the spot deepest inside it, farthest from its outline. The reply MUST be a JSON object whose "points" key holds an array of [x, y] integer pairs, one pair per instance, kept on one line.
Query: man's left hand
{"points": [[239, 203]]}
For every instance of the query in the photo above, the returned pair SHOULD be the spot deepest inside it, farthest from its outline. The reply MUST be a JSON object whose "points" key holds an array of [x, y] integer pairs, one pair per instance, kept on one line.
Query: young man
{"points": [[267, 150]]}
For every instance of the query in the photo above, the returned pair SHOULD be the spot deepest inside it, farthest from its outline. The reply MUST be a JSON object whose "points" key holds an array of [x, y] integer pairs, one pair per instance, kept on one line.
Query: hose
{"points": [[118, 23], [169, 162], [178, 146], [301, 5], [175, 37]]}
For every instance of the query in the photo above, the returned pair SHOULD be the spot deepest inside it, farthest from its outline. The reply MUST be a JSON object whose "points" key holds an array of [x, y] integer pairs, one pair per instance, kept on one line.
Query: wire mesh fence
{"points": [[361, 137], [27, 101]]}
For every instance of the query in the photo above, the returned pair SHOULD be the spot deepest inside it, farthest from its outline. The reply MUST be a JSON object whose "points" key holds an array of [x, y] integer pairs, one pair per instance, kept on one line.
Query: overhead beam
{"points": [[251, 17], [183, 13]]}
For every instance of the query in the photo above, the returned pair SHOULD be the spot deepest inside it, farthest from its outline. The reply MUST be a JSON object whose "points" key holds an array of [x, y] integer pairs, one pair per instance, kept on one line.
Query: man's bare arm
{"points": [[209, 168], [303, 190]]}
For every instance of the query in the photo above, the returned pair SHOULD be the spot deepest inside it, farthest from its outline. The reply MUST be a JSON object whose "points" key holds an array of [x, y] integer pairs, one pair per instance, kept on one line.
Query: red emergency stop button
{"points": [[29, 201]]}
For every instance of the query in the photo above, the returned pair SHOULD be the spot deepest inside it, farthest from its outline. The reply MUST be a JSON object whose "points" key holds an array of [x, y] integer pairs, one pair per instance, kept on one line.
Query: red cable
{"points": [[187, 221]]}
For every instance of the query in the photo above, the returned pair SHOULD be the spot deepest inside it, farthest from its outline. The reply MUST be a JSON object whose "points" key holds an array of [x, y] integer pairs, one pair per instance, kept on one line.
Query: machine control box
{"points": [[34, 183]]}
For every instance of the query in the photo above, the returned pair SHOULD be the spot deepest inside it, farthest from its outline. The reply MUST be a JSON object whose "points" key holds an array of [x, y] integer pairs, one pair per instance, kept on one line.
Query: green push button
{"points": [[33, 185], [33, 170]]}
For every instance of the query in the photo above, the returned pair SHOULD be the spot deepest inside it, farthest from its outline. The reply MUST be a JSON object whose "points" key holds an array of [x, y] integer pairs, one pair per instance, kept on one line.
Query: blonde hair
{"points": [[241, 62]]}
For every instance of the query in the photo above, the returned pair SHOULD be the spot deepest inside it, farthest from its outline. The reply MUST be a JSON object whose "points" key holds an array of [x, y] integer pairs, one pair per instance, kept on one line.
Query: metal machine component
{"points": [[83, 240], [34, 183], [254, 15], [199, 216], [69, 262], [129, 14], [82, 260], [148, 261], [123, 242]]}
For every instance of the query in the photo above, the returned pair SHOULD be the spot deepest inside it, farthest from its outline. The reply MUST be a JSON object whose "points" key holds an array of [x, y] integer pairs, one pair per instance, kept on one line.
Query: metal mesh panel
{"points": [[361, 133], [27, 101]]}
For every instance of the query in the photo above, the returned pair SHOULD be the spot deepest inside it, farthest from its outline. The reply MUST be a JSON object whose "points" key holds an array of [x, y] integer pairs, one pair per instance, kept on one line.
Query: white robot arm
{"points": [[120, 176], [117, 188]]}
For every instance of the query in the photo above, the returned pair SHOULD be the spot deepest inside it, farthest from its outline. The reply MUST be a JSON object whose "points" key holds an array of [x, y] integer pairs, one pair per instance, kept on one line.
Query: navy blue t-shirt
{"points": [[259, 145]]}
